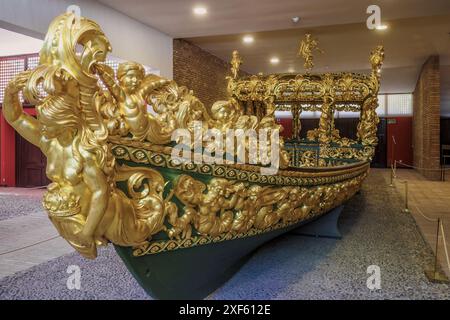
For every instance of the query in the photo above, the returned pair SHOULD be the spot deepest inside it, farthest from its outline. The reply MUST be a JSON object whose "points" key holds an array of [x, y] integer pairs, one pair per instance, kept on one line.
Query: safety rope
{"points": [[441, 228], [420, 168], [423, 215], [445, 245]]}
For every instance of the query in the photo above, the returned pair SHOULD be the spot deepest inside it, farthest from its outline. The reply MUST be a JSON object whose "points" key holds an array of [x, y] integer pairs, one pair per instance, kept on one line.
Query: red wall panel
{"points": [[8, 151], [401, 129], [7, 154], [287, 127]]}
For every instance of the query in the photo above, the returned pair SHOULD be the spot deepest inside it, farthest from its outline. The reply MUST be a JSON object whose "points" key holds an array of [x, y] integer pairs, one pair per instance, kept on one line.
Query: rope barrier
{"points": [[31, 245], [421, 168], [423, 215], [440, 226], [445, 245]]}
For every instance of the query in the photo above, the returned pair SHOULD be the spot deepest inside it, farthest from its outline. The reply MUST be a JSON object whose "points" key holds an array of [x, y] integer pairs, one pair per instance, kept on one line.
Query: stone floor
{"points": [[16, 202], [428, 201], [375, 232]]}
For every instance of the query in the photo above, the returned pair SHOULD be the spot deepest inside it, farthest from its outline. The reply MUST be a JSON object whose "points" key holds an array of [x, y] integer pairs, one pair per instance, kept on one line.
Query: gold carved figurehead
{"points": [[82, 200]]}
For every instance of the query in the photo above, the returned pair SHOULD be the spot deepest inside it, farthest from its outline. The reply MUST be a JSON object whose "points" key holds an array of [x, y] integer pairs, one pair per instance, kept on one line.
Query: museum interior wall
{"points": [[130, 39], [445, 131], [426, 119], [445, 106], [200, 71], [401, 129]]}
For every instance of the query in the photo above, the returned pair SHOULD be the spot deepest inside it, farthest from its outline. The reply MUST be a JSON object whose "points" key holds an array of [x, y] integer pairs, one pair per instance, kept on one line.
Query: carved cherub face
{"points": [[131, 81]]}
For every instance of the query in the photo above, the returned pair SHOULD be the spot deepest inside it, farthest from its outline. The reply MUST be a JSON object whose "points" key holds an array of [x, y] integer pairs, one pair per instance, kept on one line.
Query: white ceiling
{"points": [[417, 29], [175, 17], [12, 43], [407, 42]]}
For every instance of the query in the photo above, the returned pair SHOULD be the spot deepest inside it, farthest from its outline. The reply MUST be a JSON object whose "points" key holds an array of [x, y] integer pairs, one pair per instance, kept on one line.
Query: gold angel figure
{"points": [[132, 91], [82, 200], [236, 62], [377, 58], [306, 51]]}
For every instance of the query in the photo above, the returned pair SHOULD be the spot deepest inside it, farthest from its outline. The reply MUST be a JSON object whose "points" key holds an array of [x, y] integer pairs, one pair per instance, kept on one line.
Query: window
{"points": [[399, 105], [9, 68], [391, 105], [13, 65], [381, 110]]}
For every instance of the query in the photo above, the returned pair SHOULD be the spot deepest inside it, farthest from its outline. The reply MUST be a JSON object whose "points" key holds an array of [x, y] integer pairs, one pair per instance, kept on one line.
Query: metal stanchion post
{"points": [[395, 168], [392, 177], [406, 209], [435, 275]]}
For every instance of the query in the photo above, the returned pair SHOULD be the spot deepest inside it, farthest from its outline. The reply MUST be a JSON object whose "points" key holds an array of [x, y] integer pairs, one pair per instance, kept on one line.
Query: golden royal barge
{"points": [[182, 228]]}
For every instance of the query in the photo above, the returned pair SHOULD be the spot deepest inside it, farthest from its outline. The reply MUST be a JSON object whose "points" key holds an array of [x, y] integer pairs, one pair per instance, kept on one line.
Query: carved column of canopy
{"points": [[259, 110], [368, 123], [296, 125], [249, 108], [326, 121]]}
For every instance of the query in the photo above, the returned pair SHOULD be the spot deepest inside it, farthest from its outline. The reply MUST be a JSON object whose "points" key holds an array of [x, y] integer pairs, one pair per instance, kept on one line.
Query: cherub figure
{"points": [[236, 62], [306, 51], [82, 201], [132, 91]]}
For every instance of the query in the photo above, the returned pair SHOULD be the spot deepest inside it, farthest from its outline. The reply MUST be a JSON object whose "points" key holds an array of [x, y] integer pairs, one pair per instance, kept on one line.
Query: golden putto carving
{"points": [[305, 51]]}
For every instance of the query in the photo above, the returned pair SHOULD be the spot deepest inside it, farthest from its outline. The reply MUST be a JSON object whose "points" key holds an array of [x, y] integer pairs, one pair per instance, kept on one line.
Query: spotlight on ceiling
{"points": [[248, 39], [295, 19], [200, 11], [382, 27], [274, 60], [291, 70]]}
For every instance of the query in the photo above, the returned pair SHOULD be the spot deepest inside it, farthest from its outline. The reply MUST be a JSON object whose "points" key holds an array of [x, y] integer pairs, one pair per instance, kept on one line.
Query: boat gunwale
{"points": [[303, 172]]}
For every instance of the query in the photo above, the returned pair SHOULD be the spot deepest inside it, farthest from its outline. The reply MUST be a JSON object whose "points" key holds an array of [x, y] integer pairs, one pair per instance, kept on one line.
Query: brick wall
{"points": [[426, 119], [200, 71]]}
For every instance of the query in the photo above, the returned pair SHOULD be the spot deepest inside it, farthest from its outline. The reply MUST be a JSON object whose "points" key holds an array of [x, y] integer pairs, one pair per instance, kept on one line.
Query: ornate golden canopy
{"points": [[326, 93]]}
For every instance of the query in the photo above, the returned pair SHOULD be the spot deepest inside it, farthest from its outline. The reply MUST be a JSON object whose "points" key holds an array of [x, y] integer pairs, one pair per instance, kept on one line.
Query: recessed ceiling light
{"points": [[382, 27], [291, 70], [200, 11], [274, 60], [295, 19], [248, 39]]}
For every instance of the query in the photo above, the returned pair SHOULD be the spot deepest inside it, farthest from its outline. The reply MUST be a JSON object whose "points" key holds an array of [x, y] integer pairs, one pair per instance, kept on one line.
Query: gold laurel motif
{"points": [[241, 172], [256, 210]]}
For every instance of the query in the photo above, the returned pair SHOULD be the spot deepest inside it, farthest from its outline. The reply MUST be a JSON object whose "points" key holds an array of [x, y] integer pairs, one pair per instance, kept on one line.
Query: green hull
{"points": [[192, 266], [196, 272]]}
